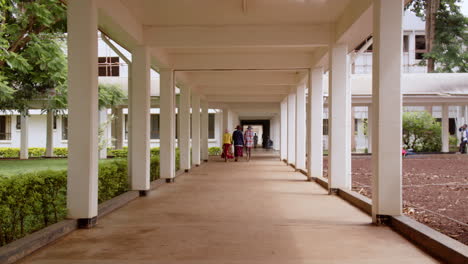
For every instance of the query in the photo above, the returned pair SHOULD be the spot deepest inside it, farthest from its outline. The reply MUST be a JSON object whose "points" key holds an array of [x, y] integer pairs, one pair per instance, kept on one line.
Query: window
{"points": [[405, 43], [154, 126], [420, 46], [325, 127], [5, 127], [55, 122], [18, 122], [211, 126], [356, 126], [64, 128], [109, 66]]}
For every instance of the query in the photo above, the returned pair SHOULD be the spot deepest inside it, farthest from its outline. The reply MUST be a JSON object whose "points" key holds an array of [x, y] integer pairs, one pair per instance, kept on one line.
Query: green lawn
{"points": [[12, 167]]}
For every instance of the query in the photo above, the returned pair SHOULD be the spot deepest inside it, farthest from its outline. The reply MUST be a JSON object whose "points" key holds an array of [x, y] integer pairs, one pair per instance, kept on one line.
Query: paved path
{"points": [[245, 212]]}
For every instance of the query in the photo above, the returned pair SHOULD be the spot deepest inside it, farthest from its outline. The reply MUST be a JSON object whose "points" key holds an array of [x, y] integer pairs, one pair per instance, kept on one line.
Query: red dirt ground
{"points": [[435, 190]]}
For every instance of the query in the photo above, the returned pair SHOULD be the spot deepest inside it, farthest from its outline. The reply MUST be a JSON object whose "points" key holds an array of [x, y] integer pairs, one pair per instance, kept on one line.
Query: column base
{"points": [[197, 165], [186, 170], [333, 191], [143, 193], [86, 223], [310, 179], [205, 160], [382, 220], [170, 180]]}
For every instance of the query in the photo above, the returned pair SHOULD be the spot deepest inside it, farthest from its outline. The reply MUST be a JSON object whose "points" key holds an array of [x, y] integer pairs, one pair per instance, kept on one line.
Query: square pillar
{"points": [[139, 121], [445, 128], [184, 119], [196, 158], [315, 128], [300, 128], [387, 109], [291, 145], [24, 149], [50, 134], [167, 121], [102, 119], [339, 117], [369, 128], [82, 180], [219, 129], [284, 129], [204, 131], [117, 126]]}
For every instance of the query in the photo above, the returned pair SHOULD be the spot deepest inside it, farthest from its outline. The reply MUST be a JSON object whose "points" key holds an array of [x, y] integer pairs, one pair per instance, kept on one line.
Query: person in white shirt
{"points": [[463, 138]]}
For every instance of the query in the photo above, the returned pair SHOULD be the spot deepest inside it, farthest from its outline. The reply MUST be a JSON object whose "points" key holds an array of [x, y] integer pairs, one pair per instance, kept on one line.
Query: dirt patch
{"points": [[435, 190]]}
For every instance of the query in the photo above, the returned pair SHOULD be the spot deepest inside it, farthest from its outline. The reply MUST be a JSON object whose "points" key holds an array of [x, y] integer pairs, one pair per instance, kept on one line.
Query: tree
{"points": [[32, 59], [446, 34], [421, 132]]}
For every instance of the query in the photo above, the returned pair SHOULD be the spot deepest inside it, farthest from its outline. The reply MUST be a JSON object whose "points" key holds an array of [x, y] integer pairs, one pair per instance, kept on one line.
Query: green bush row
{"points": [[214, 151], [32, 201], [33, 152]]}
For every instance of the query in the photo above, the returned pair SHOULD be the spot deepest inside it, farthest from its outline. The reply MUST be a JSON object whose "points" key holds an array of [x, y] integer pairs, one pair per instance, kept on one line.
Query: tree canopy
{"points": [[447, 34], [32, 58]]}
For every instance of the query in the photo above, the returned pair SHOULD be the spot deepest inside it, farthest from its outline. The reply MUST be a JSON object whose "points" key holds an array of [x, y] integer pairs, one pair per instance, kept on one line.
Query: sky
{"points": [[464, 7]]}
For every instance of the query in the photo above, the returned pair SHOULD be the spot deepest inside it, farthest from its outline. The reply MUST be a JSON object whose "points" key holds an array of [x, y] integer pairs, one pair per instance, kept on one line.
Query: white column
{"points": [[204, 131], [24, 154], [82, 180], [184, 118], [412, 50], [196, 159], [219, 129], [167, 127], [387, 109], [284, 129], [102, 117], [339, 118], [139, 121], [117, 128], [50, 134], [369, 128], [300, 128], [315, 129], [291, 129], [226, 124], [445, 128]]}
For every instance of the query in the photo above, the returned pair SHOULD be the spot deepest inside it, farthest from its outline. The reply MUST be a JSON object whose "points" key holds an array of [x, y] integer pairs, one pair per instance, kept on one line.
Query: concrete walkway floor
{"points": [[245, 212]]}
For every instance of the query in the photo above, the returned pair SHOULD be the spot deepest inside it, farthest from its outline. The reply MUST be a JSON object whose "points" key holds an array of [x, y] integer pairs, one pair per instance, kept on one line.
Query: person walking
{"points": [[255, 138], [463, 138], [227, 142], [248, 141], [238, 140]]}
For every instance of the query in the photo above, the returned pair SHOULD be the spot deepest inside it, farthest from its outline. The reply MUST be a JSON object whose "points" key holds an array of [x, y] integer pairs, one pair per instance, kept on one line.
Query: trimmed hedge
{"points": [[33, 152], [32, 201], [214, 151]]}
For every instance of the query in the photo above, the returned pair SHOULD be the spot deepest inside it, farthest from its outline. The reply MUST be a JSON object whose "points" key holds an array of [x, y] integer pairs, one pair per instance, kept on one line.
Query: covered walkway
{"points": [[256, 212]]}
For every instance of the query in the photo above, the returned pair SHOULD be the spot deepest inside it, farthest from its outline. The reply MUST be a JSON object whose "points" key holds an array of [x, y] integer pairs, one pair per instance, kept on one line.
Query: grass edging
{"points": [[431, 241], [23, 247]]}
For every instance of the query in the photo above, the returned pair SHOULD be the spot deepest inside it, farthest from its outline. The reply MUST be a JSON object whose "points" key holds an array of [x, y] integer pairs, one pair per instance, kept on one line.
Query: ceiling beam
{"points": [[242, 61], [244, 98], [241, 78], [246, 90], [237, 36]]}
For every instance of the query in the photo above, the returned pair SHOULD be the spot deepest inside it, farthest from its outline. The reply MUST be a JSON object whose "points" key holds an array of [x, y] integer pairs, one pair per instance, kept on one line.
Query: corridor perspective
{"points": [[260, 211]]}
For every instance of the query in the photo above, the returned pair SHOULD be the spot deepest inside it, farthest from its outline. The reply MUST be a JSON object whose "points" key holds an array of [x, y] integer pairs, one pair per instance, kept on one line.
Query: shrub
{"points": [[9, 152], [60, 152], [113, 179], [36, 152], [154, 152], [118, 153], [154, 168], [421, 132], [29, 202], [214, 151]]}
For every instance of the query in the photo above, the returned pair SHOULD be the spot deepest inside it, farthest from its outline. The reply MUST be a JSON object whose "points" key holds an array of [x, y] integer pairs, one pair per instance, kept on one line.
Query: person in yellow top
{"points": [[227, 142]]}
